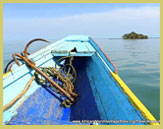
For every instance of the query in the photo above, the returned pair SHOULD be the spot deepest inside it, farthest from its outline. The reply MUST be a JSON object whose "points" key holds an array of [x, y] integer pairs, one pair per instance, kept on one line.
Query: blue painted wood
{"points": [[41, 108], [100, 98], [43, 105], [101, 53], [111, 102], [76, 38], [72, 54], [17, 86], [85, 107], [81, 48]]}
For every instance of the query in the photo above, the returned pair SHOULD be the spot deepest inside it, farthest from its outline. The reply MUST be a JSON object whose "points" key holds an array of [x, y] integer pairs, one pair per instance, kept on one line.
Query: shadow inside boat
{"points": [[43, 106]]}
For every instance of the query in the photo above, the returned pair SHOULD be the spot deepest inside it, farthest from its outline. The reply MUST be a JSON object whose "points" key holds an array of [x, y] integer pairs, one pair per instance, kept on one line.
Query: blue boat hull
{"points": [[100, 95]]}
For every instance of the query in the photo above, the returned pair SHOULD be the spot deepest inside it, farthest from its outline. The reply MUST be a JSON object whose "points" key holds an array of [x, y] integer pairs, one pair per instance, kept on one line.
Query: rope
{"points": [[66, 76], [45, 76], [63, 77], [71, 68], [20, 95]]}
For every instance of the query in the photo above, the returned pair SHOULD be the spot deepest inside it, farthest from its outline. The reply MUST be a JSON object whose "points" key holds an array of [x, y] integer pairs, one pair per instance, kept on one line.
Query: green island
{"points": [[134, 35]]}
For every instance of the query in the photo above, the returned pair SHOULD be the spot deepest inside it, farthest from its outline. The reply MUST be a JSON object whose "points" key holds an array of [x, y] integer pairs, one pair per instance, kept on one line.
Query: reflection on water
{"points": [[138, 63]]}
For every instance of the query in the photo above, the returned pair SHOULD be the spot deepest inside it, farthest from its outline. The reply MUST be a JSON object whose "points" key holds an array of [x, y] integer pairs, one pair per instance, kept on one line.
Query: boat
{"points": [[98, 95]]}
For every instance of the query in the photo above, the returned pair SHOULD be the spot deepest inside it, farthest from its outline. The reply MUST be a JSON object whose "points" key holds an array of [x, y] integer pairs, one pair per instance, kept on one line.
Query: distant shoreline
{"points": [[128, 39], [94, 37]]}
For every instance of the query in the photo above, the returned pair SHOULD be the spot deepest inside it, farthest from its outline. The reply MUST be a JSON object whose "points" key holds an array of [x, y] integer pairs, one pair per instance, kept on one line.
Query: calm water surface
{"points": [[138, 63]]}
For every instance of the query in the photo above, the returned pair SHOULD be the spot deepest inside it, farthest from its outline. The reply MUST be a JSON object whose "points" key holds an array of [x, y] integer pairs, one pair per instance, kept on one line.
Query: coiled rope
{"points": [[46, 75], [66, 75]]}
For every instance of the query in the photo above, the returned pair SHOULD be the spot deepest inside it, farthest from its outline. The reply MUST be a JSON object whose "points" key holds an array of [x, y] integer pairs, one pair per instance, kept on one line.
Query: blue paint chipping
{"points": [[41, 108], [100, 97], [44, 104], [112, 103]]}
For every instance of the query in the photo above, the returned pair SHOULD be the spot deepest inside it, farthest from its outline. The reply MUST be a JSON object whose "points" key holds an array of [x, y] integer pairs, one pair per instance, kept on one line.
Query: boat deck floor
{"points": [[43, 107], [100, 97]]}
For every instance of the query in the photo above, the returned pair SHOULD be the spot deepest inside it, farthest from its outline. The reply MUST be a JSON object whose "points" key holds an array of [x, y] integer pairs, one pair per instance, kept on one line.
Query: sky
{"points": [[99, 20]]}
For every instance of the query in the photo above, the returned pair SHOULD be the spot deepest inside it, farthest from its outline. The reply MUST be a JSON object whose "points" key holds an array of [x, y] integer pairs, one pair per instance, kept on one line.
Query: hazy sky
{"points": [[54, 21]]}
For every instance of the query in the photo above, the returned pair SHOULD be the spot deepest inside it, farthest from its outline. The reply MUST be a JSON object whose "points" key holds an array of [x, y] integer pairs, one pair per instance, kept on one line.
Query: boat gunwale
{"points": [[137, 103]]}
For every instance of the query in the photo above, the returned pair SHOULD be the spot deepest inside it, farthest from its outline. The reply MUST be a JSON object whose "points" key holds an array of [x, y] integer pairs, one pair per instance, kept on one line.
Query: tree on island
{"points": [[134, 35]]}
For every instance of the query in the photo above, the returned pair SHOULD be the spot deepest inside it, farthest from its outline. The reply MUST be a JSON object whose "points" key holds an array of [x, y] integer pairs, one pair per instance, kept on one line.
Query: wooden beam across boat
{"points": [[103, 96]]}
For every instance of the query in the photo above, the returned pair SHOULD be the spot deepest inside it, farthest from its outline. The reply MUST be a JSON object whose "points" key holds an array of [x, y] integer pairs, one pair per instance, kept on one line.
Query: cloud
{"points": [[107, 24]]}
